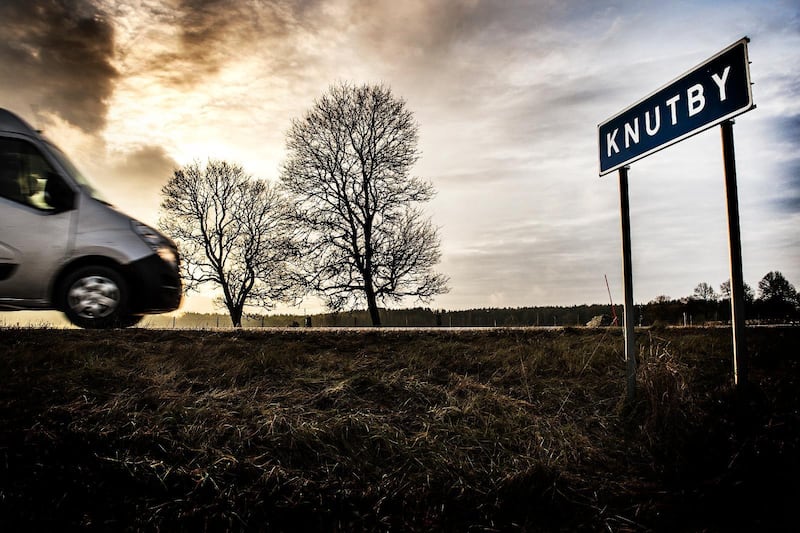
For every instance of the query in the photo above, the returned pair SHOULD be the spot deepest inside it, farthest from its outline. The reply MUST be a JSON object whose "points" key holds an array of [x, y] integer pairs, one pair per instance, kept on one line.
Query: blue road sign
{"points": [[712, 92]]}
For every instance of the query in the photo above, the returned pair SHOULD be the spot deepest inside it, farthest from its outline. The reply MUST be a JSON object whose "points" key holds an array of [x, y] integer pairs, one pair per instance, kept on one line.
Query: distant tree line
{"points": [[577, 315], [777, 302]]}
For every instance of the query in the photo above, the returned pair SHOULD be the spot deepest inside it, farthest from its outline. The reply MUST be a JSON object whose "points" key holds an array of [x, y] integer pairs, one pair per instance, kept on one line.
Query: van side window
{"points": [[26, 176]]}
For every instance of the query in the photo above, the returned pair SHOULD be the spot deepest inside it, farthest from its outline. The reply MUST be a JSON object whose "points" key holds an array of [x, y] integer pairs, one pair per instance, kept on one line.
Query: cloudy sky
{"points": [[507, 93]]}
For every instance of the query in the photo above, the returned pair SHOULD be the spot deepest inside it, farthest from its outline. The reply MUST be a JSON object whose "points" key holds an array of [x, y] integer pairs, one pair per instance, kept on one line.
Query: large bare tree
{"points": [[348, 171], [233, 231]]}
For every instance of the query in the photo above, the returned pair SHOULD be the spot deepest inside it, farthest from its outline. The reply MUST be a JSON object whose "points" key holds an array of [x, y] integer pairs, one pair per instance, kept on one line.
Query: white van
{"points": [[63, 247]]}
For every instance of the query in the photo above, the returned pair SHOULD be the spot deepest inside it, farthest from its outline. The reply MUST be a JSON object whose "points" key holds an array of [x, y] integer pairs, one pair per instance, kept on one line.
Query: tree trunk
{"points": [[236, 316], [372, 305]]}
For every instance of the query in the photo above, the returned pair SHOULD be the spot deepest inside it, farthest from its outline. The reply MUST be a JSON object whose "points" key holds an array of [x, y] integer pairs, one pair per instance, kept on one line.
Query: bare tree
{"points": [[233, 231], [348, 171], [706, 292]]}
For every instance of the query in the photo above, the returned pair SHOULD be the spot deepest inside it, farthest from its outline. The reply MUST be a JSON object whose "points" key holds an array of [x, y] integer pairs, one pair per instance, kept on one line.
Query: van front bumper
{"points": [[155, 286]]}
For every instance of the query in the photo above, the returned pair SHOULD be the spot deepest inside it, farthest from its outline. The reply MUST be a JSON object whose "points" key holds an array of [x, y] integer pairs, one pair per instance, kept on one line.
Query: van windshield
{"points": [[76, 174]]}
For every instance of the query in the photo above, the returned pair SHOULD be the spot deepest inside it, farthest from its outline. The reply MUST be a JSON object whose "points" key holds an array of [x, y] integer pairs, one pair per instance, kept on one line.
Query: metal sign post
{"points": [[627, 274], [734, 237]]}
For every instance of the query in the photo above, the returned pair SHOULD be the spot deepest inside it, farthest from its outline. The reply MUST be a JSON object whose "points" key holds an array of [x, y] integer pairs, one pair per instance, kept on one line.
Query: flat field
{"points": [[396, 430]]}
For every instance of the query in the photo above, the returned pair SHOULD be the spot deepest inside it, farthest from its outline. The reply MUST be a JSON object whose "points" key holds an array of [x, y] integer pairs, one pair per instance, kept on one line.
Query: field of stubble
{"points": [[393, 430]]}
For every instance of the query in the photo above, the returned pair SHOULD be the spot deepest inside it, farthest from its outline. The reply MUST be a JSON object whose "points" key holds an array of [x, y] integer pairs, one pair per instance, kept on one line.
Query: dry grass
{"points": [[392, 430]]}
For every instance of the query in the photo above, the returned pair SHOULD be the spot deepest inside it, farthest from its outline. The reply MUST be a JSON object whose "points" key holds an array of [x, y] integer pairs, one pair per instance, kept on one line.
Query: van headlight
{"points": [[168, 255], [156, 242]]}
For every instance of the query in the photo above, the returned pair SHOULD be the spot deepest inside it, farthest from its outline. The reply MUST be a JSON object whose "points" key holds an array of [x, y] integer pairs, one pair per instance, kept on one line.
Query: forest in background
{"points": [[687, 312], [777, 303]]}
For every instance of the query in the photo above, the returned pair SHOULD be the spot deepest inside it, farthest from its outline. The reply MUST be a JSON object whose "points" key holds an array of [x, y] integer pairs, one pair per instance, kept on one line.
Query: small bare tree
{"points": [[348, 172], [705, 292], [233, 231]]}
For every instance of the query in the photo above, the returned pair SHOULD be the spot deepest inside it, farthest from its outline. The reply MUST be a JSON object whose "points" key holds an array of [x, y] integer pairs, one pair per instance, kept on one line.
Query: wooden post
{"points": [[627, 277], [740, 362]]}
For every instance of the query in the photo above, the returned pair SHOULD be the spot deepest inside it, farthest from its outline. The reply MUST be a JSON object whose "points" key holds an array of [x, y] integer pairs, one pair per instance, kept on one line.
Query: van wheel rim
{"points": [[93, 297]]}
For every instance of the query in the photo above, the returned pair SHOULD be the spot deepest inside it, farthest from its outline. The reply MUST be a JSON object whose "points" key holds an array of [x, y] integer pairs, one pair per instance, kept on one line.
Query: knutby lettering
{"points": [[674, 109]]}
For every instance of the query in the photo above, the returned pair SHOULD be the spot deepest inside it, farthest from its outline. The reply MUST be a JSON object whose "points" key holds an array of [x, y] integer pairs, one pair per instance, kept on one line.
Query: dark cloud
{"points": [[207, 28], [214, 33], [787, 127], [132, 180], [145, 166], [783, 133], [57, 56], [788, 188]]}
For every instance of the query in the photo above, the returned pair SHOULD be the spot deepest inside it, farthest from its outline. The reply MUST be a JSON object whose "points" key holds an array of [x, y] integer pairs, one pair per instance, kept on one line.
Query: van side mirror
{"points": [[57, 194]]}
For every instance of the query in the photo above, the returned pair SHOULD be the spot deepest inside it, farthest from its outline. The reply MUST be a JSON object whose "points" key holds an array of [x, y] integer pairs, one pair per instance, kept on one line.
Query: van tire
{"points": [[96, 297]]}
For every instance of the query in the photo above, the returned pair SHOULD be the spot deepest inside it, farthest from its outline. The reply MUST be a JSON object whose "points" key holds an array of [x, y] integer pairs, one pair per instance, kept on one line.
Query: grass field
{"points": [[392, 430]]}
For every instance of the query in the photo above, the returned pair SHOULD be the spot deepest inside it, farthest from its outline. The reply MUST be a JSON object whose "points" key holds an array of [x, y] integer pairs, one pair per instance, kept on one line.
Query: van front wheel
{"points": [[95, 297]]}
